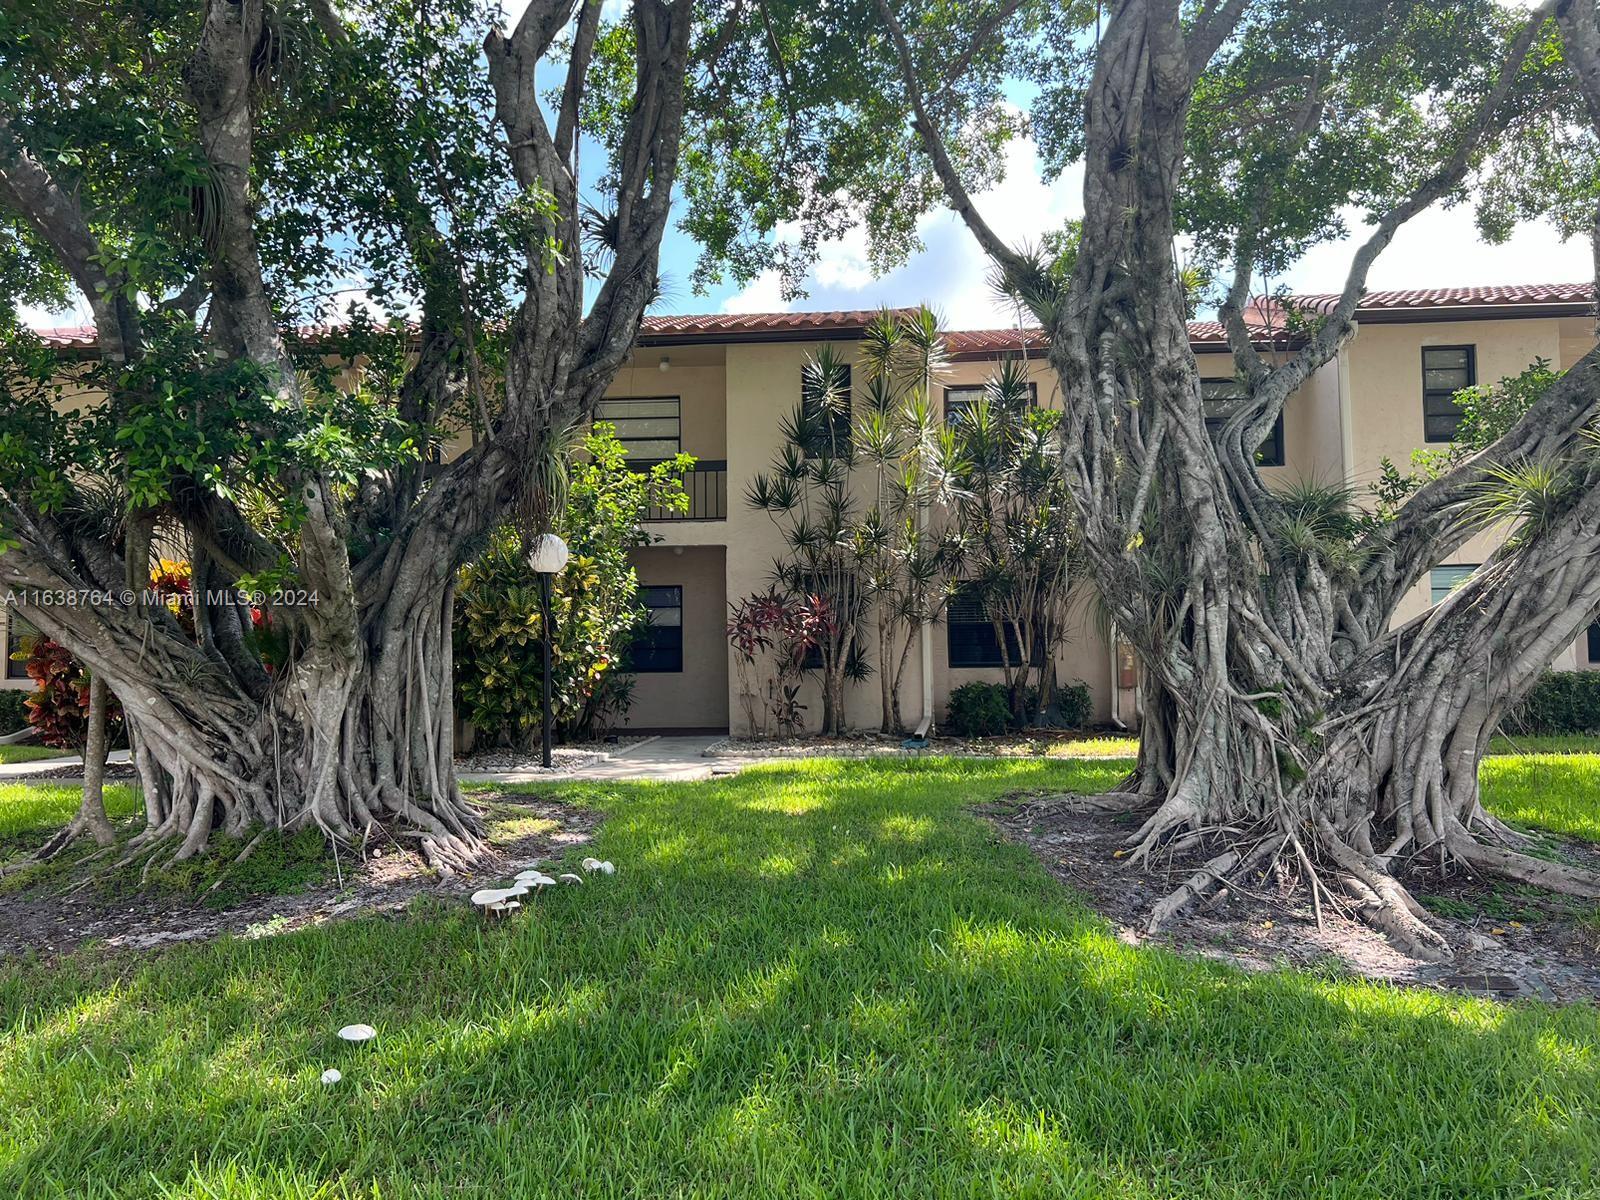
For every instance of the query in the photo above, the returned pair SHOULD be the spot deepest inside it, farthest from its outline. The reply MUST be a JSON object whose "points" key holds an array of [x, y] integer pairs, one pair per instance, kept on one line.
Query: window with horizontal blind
{"points": [[1445, 371], [827, 426], [659, 647], [969, 633], [20, 636], [1444, 580], [650, 428], [958, 401], [1218, 396]]}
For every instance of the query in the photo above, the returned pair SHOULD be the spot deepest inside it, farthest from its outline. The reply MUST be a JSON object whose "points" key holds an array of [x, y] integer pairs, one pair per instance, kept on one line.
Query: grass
{"points": [[24, 753], [1558, 792], [813, 979], [30, 812]]}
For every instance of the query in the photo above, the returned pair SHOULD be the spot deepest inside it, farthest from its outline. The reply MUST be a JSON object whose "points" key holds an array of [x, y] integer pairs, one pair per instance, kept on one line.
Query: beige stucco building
{"points": [[717, 387], [727, 381]]}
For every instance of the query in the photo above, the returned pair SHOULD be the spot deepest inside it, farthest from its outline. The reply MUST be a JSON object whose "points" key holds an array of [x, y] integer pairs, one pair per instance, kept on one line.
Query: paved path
{"points": [[662, 759], [658, 759], [34, 766]]}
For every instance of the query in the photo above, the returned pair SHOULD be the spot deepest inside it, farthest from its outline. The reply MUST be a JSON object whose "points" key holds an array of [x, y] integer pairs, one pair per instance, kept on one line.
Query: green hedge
{"points": [[1561, 702], [13, 716]]}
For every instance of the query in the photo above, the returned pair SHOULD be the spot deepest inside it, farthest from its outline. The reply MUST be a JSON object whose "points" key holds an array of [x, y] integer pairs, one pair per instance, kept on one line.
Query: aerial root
{"points": [[1100, 802], [1382, 902], [1213, 875]]}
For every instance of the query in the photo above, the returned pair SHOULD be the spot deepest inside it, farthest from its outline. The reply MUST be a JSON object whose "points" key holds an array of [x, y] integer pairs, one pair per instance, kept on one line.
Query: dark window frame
{"points": [[837, 437], [1594, 644], [1445, 397], [620, 433], [1469, 568], [1271, 452], [666, 653], [16, 670], [1033, 396], [973, 645]]}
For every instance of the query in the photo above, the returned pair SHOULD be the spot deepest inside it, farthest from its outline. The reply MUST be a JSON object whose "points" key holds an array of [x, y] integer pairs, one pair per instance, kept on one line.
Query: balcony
{"points": [[707, 485]]}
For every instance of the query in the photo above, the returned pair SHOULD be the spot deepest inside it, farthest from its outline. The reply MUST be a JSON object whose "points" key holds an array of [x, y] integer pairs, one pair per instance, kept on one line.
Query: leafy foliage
{"points": [[1561, 702], [979, 710], [58, 706], [594, 604]]}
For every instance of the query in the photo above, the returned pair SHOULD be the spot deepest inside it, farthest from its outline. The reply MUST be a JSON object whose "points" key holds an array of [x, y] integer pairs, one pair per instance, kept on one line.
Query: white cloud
{"points": [[950, 272], [764, 293], [1440, 248]]}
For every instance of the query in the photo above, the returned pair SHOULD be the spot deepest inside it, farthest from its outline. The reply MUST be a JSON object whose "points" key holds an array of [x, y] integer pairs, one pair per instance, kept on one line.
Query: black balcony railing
{"points": [[707, 485]]}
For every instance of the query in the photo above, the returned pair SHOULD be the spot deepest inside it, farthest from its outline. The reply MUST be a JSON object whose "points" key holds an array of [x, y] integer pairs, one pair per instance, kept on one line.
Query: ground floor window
{"points": [[970, 634], [1444, 580], [20, 636], [659, 646], [1594, 643]]}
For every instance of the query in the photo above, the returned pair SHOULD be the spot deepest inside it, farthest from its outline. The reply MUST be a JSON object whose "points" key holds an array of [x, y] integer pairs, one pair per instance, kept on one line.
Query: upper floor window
{"points": [[1444, 580], [650, 428], [1219, 396], [958, 401], [659, 646], [1445, 371], [827, 426], [20, 637]]}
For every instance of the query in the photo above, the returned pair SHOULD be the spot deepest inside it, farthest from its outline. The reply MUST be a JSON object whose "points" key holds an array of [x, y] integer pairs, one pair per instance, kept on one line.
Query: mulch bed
{"points": [[51, 919], [1511, 942]]}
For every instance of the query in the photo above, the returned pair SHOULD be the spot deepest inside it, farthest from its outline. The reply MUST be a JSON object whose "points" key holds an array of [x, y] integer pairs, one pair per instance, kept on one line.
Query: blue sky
{"points": [[1440, 248]]}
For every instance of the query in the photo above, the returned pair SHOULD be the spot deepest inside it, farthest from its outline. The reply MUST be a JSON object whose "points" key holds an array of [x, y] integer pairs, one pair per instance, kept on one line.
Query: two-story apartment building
{"points": [[719, 386]]}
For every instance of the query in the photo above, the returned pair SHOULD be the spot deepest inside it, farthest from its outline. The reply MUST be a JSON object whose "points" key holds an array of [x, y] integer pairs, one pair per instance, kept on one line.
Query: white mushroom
{"points": [[608, 868], [592, 864], [505, 906], [358, 1033], [529, 875], [490, 896], [570, 878], [331, 1076]]}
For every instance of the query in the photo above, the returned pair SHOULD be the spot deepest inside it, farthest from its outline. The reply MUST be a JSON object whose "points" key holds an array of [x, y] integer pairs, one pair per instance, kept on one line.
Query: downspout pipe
{"points": [[1116, 687]]}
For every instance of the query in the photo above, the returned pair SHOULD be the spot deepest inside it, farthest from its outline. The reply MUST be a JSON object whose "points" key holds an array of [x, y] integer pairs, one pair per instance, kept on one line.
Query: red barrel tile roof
{"points": [[1541, 299]]}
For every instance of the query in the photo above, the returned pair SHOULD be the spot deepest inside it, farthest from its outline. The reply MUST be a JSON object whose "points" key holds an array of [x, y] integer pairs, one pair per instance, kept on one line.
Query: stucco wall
{"points": [[697, 697], [1385, 398]]}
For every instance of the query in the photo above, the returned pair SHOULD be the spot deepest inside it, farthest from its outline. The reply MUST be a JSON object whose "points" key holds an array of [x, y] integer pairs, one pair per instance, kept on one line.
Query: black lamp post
{"points": [[548, 556]]}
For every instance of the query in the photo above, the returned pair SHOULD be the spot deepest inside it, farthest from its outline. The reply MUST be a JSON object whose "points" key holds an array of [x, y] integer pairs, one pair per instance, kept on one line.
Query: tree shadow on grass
{"points": [[817, 979]]}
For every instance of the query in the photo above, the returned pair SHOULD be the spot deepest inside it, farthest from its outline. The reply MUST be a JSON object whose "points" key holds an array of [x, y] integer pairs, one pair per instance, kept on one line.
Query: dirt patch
{"points": [[115, 773], [55, 916], [1511, 942]]}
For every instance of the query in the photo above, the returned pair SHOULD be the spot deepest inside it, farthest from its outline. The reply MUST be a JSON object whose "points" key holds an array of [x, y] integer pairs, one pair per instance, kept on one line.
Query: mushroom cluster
{"points": [[500, 902]]}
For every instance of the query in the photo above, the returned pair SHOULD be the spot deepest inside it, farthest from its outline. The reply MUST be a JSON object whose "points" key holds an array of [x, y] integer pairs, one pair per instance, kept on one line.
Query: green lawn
{"points": [[1558, 791], [30, 812], [817, 979], [24, 753]]}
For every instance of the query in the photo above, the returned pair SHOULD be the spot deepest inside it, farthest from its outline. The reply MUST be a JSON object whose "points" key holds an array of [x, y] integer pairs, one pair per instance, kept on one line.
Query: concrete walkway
{"points": [[658, 759], [662, 759], [22, 770]]}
